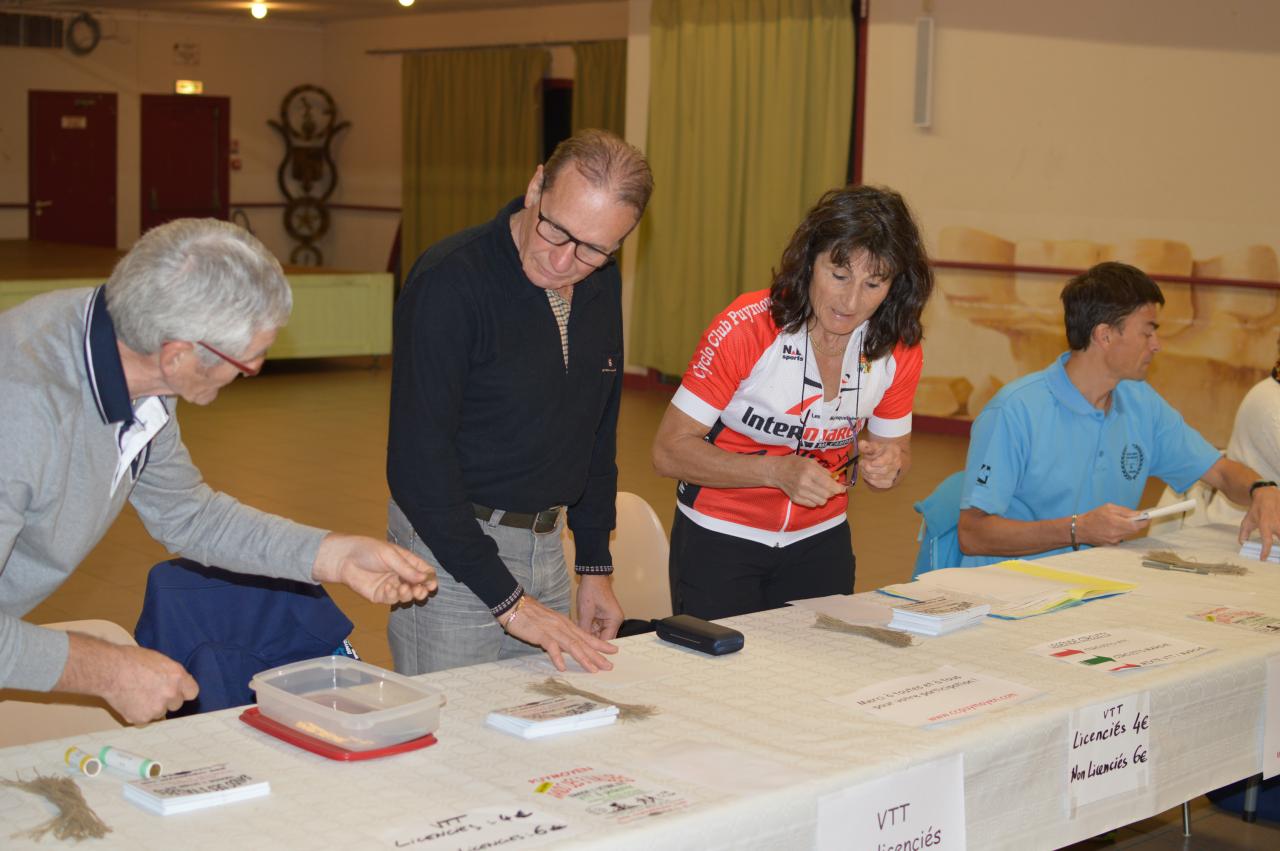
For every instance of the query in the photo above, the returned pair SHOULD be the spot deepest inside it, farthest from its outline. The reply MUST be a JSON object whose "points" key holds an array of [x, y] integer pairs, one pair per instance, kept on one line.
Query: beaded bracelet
{"points": [[515, 610]]}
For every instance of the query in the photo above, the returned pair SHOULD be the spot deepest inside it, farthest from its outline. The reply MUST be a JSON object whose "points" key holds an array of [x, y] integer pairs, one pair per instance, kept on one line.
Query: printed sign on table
{"points": [[1109, 749], [512, 826], [1119, 650], [1271, 722], [919, 809], [942, 695]]}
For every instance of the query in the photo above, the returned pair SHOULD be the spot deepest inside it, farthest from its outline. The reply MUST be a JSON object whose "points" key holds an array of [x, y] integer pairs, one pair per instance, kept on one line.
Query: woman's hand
{"points": [[803, 480], [882, 461]]}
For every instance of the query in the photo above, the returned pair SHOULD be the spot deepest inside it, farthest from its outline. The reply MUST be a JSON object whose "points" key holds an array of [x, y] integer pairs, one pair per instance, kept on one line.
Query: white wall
{"points": [[254, 63]]}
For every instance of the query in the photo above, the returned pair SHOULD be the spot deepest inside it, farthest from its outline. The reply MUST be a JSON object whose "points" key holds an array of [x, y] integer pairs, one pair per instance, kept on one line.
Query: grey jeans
{"points": [[453, 627]]}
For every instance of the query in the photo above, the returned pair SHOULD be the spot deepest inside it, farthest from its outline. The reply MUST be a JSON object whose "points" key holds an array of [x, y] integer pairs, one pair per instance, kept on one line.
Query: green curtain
{"points": [[472, 137], [750, 114], [600, 86]]}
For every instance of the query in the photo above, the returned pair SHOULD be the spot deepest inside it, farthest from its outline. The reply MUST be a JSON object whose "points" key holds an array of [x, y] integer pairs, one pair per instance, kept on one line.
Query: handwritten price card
{"points": [[1109, 749], [484, 827], [920, 809]]}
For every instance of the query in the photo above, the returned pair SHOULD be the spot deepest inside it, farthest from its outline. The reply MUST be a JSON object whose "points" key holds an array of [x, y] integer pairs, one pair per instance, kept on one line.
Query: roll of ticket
{"points": [[128, 763], [86, 763]]}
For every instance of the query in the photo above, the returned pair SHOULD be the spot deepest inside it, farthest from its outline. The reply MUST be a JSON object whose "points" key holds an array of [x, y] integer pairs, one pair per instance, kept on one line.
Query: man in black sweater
{"points": [[506, 380]]}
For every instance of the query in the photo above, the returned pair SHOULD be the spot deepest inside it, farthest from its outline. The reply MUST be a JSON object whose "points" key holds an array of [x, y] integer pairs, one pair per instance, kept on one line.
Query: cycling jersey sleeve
{"points": [[892, 416], [725, 356]]}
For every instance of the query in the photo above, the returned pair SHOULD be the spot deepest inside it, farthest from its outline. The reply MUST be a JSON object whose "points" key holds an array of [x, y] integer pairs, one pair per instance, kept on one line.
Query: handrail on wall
{"points": [[1067, 273]]}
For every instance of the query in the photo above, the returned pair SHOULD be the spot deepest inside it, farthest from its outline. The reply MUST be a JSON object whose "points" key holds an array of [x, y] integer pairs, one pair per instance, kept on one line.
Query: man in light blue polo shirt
{"points": [[1059, 458]]}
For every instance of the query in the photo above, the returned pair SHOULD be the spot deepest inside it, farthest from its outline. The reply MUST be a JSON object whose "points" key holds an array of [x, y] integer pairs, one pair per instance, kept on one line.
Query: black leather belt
{"points": [[540, 523]]}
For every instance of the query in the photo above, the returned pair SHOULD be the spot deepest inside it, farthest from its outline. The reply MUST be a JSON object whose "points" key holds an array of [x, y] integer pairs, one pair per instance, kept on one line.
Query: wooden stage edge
{"points": [[35, 260], [336, 313]]}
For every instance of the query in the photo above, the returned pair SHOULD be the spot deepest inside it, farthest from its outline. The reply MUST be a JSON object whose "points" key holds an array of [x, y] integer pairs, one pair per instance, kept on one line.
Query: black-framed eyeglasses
{"points": [[245, 370], [587, 253]]}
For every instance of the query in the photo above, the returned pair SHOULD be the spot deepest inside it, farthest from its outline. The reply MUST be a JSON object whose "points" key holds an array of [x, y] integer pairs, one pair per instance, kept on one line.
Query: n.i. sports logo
{"points": [[790, 352]]}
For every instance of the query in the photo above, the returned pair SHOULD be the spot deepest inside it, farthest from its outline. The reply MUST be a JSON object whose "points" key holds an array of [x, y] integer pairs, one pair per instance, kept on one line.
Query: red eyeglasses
{"points": [[244, 368]]}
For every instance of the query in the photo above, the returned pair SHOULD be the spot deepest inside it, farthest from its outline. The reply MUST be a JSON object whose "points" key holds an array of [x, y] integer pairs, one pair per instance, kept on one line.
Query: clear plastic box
{"points": [[348, 703]]}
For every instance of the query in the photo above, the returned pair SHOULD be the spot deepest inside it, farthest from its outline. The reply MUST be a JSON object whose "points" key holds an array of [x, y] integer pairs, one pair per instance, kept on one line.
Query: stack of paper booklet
{"points": [[1252, 548], [937, 615], [552, 715], [1013, 589], [195, 789]]}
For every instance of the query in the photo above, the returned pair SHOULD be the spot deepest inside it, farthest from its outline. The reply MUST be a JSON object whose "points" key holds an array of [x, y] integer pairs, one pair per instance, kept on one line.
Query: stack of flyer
{"points": [[195, 789], [937, 615], [1252, 548], [1014, 589], [552, 715]]}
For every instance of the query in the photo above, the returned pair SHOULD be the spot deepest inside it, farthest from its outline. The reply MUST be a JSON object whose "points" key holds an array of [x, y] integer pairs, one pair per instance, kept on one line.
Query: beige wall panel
{"points": [[1042, 292], [1138, 125]]}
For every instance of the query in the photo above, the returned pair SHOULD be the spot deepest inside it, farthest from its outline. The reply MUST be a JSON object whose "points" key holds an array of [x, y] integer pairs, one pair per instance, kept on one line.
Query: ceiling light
{"points": [[258, 10], [406, 3]]}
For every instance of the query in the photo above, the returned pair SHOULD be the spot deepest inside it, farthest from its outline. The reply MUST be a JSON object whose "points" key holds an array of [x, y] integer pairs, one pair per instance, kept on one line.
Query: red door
{"points": [[185, 145], [71, 171]]}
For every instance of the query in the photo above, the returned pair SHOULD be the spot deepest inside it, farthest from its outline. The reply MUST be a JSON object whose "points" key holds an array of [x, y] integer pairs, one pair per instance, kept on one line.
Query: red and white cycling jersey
{"points": [[759, 393]]}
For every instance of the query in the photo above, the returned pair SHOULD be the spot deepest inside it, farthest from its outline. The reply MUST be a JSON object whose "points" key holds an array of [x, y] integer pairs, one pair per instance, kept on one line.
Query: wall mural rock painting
{"points": [[985, 328]]}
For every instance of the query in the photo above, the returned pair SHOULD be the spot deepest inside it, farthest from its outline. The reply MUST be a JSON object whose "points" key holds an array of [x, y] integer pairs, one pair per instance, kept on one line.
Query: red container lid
{"points": [[297, 738]]}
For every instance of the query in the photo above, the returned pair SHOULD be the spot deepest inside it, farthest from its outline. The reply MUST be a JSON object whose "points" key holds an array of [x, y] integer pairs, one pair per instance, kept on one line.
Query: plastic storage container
{"points": [[348, 703]]}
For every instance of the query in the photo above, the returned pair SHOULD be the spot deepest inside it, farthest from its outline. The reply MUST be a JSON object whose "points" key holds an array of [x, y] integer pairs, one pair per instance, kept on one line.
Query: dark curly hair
{"points": [[848, 222]]}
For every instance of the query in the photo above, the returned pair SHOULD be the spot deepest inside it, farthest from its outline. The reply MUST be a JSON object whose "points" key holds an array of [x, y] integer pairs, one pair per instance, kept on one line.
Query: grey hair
{"points": [[197, 280]]}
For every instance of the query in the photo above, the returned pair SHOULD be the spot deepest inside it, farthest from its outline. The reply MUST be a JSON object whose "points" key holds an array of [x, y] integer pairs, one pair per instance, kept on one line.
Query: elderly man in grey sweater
{"points": [[89, 380]]}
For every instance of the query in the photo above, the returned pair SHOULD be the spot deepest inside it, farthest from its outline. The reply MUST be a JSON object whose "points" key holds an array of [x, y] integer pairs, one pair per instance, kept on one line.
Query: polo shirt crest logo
{"points": [[1131, 461], [790, 352]]}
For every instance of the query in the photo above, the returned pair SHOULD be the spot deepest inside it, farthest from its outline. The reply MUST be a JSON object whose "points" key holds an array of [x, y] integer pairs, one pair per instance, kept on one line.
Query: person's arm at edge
{"points": [[140, 684], [883, 461], [884, 455], [1234, 479], [592, 518]]}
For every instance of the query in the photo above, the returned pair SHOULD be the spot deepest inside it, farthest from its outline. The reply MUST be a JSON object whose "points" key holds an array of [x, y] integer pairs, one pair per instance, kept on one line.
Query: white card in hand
{"points": [[1176, 508]]}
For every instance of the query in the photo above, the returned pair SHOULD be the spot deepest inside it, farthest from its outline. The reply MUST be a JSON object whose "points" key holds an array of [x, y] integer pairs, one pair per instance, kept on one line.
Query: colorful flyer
{"points": [[610, 795], [1243, 618]]}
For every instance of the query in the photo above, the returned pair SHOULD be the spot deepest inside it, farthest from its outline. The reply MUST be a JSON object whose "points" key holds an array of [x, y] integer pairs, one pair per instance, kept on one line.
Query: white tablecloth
{"points": [[766, 703]]}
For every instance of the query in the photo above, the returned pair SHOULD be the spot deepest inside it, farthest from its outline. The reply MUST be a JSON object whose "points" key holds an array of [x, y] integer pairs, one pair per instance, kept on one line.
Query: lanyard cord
{"points": [[857, 401]]}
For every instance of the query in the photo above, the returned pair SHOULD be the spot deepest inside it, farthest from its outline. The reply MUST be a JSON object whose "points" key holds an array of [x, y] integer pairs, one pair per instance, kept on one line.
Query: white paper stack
{"points": [[937, 615], [552, 715], [1252, 549], [209, 786]]}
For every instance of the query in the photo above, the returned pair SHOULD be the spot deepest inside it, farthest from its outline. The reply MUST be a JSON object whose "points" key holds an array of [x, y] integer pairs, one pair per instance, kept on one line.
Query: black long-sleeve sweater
{"points": [[484, 411]]}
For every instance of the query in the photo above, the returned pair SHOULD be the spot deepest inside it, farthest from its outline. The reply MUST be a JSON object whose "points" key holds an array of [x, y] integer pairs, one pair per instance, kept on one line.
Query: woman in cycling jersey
{"points": [[766, 432]]}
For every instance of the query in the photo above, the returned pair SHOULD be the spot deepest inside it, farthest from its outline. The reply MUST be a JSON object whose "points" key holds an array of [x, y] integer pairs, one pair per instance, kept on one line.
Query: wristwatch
{"points": [[1261, 483]]}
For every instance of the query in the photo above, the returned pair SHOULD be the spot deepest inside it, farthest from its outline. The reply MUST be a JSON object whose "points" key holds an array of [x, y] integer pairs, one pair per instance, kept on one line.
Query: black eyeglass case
{"points": [[700, 635]]}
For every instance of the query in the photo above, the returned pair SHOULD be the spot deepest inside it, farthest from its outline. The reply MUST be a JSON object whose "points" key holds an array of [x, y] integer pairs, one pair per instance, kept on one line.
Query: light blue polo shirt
{"points": [[1039, 450]]}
